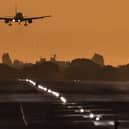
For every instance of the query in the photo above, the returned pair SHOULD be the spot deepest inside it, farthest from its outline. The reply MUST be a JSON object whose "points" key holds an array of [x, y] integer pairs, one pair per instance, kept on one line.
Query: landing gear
{"points": [[10, 24], [19, 23], [25, 23]]}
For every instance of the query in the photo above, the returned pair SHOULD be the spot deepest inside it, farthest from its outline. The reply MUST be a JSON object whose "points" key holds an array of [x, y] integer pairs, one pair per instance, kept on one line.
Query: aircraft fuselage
{"points": [[18, 17]]}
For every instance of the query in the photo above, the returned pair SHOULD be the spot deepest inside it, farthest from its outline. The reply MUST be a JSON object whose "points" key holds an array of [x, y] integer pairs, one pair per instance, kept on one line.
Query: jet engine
{"points": [[30, 21], [6, 21]]}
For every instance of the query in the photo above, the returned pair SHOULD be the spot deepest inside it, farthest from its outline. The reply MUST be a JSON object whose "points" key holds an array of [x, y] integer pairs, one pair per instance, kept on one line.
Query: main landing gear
{"points": [[10, 24], [26, 24]]}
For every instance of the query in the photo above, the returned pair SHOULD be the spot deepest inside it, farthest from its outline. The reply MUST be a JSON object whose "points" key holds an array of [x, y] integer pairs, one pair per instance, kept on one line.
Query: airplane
{"points": [[19, 17]]}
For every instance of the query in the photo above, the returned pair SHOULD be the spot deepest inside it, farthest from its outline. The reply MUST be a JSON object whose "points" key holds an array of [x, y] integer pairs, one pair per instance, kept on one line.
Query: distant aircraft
{"points": [[19, 17]]}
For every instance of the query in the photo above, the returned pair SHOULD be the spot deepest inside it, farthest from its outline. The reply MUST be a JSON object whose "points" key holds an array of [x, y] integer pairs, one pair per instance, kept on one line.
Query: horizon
{"points": [[56, 59], [77, 29]]}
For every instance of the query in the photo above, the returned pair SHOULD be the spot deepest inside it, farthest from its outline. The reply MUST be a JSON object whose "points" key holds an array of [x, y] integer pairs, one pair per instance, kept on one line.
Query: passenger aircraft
{"points": [[19, 17]]}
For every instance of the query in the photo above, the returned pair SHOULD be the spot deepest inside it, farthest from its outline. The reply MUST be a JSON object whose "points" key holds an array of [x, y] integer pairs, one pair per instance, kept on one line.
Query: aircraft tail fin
{"points": [[16, 8]]}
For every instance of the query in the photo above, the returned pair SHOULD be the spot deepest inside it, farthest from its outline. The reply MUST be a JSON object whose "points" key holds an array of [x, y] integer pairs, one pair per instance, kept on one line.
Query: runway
{"points": [[55, 115], [82, 110]]}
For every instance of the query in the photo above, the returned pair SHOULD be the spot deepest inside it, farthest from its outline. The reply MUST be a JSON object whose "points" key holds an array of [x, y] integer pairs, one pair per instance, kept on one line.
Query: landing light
{"points": [[13, 20]]}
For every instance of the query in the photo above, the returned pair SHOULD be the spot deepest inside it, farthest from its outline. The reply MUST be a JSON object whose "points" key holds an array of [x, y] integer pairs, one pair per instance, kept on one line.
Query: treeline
{"points": [[77, 69]]}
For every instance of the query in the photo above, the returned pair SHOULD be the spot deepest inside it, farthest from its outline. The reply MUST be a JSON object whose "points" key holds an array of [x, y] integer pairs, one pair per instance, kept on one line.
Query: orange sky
{"points": [[78, 28]]}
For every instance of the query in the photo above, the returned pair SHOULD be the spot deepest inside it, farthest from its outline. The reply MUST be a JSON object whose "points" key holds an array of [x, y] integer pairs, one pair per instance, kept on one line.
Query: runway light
{"points": [[55, 93], [79, 106], [91, 115], [63, 99], [69, 107], [27, 80], [77, 111], [42, 88], [49, 91], [82, 110], [45, 89], [104, 123], [32, 82], [21, 79], [85, 116], [97, 118]]}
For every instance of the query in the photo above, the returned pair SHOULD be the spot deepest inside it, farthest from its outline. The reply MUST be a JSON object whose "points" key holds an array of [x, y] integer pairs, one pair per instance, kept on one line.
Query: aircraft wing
{"points": [[6, 18], [34, 18]]}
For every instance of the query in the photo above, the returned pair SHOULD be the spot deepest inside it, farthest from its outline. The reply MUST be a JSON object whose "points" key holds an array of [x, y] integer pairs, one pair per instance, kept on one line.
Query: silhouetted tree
{"points": [[18, 64], [6, 59], [43, 71], [98, 59], [83, 69], [123, 72], [7, 73], [53, 58], [109, 73], [42, 60]]}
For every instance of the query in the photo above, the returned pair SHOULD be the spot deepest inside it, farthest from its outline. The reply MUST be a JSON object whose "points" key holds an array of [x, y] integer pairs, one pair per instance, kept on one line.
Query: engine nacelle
{"points": [[6, 21], [30, 21]]}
